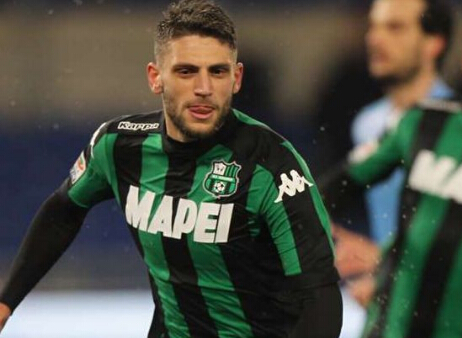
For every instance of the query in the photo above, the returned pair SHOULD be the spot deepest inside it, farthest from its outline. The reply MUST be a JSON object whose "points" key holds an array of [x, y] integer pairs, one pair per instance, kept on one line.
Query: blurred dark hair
{"points": [[437, 19], [189, 17]]}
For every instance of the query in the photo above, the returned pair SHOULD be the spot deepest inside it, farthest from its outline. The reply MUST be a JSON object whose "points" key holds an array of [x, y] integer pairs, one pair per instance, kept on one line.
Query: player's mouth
{"points": [[201, 111], [377, 56]]}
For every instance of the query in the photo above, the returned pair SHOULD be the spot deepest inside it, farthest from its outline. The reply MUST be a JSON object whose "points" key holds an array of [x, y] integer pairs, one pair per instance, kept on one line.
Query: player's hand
{"points": [[362, 288], [5, 313], [355, 254]]}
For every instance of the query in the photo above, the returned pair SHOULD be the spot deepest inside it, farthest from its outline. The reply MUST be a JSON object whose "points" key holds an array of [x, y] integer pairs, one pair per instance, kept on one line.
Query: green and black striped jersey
{"points": [[232, 228], [419, 282]]}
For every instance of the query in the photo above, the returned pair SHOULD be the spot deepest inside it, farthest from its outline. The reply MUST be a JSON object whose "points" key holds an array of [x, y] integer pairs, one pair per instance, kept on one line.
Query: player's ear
{"points": [[238, 74], [435, 46], [154, 78]]}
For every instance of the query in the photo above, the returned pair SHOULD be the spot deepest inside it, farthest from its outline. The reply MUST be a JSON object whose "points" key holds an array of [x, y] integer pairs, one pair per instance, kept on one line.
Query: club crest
{"points": [[222, 180]]}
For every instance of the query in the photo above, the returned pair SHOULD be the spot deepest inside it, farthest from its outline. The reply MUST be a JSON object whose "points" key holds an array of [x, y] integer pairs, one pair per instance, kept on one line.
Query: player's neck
{"points": [[405, 95]]}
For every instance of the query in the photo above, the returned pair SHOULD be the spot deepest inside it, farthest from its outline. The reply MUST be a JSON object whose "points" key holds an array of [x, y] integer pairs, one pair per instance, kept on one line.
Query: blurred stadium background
{"points": [[66, 66]]}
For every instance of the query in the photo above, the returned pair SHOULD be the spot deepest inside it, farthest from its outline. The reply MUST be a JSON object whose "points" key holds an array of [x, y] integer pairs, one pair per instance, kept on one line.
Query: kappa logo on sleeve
{"points": [[79, 168], [292, 186]]}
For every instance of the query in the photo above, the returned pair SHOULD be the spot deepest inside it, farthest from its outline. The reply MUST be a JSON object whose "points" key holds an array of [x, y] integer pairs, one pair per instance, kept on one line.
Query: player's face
{"points": [[197, 77], [395, 40]]}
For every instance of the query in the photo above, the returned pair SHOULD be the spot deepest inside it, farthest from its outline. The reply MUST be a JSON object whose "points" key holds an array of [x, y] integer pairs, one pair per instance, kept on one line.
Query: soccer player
{"points": [[223, 210], [406, 44], [418, 281]]}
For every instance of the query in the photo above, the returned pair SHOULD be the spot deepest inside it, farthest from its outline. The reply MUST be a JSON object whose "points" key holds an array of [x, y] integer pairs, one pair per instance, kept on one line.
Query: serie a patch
{"points": [[78, 168]]}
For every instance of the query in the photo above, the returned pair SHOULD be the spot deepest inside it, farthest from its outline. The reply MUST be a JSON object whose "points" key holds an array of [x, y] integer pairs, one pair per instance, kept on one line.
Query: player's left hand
{"points": [[362, 288], [355, 254]]}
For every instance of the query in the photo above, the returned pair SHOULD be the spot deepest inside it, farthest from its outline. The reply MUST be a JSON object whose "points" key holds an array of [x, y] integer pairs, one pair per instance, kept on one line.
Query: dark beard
{"points": [[388, 82], [180, 124]]}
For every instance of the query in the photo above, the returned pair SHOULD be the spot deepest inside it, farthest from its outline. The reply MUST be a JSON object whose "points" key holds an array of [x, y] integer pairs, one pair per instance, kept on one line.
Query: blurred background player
{"points": [[417, 283], [406, 42]]}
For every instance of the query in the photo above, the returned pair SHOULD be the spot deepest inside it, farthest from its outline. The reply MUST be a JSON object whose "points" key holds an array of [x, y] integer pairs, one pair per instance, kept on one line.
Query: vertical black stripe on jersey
{"points": [[183, 275], [242, 269], [426, 137], [128, 162], [436, 272], [157, 329]]}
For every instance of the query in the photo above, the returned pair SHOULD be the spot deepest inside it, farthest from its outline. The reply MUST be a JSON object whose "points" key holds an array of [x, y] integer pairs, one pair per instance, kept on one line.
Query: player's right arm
{"points": [[367, 164], [55, 226]]}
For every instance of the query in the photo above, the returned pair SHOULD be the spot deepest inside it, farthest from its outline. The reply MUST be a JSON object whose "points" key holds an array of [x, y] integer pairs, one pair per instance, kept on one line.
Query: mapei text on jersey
{"points": [[209, 221]]}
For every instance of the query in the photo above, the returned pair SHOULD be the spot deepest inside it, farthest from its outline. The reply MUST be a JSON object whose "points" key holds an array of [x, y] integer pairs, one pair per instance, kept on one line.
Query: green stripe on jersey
{"points": [[449, 312], [247, 119], [373, 312], [214, 281], [314, 192], [281, 231], [430, 212], [154, 180], [255, 196], [392, 151], [409, 128], [419, 240], [282, 234], [97, 176]]}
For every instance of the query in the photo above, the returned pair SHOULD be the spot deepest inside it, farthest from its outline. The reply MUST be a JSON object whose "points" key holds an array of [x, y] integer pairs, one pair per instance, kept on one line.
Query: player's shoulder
{"points": [[136, 124], [257, 140], [441, 106], [256, 132], [141, 123], [368, 123], [429, 110], [376, 107]]}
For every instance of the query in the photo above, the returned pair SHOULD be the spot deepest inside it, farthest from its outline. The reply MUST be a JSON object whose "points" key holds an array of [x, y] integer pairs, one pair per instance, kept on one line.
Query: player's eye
{"points": [[185, 71], [395, 27], [219, 70]]}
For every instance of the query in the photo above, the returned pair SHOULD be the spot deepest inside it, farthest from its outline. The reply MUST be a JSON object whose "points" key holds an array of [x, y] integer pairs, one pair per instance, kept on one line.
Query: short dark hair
{"points": [[437, 20], [195, 17]]}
